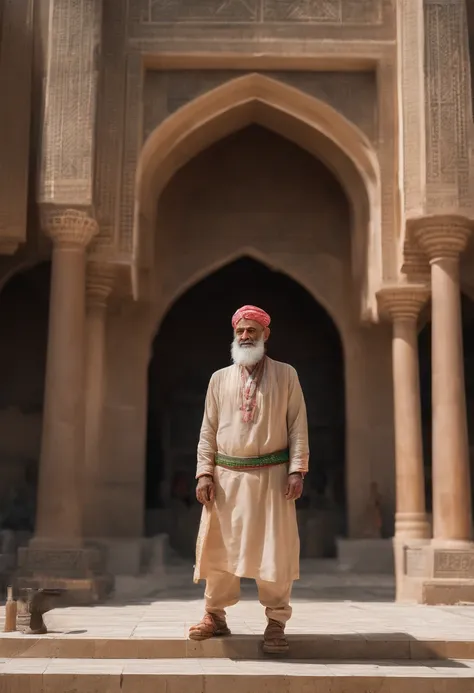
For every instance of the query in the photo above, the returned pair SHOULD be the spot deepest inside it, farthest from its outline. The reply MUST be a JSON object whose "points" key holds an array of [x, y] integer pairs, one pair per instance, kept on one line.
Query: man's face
{"points": [[248, 333]]}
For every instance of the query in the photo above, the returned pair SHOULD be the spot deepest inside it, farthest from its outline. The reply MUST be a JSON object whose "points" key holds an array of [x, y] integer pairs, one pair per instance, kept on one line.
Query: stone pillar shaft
{"points": [[403, 304], [410, 518], [62, 449], [452, 514], [100, 280], [451, 479]]}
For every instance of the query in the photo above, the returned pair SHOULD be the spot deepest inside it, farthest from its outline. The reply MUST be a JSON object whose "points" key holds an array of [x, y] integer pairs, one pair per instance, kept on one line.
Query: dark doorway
{"points": [[24, 309], [424, 346], [193, 341]]}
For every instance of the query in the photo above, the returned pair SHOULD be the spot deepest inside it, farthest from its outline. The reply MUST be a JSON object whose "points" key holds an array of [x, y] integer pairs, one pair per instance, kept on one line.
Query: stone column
{"points": [[100, 281], [58, 519], [403, 304], [443, 241]]}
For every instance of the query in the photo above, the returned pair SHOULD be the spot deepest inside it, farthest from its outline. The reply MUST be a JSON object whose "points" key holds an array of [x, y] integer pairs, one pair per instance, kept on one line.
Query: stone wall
{"points": [[276, 19], [253, 194], [354, 94], [139, 33]]}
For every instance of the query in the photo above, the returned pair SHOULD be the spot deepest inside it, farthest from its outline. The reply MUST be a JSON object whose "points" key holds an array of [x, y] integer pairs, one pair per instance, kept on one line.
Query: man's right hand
{"points": [[205, 491]]}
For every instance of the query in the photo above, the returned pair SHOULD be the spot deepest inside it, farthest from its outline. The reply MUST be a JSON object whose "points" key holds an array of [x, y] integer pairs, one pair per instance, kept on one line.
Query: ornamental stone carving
{"points": [[99, 283], [69, 228], [403, 302], [442, 237], [71, 76], [415, 265]]}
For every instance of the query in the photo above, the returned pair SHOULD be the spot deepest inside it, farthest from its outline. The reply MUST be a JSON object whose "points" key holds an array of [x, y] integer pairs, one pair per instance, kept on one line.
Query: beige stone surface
{"points": [[350, 629], [59, 489], [129, 126], [443, 241], [348, 613], [67, 159], [159, 677]]}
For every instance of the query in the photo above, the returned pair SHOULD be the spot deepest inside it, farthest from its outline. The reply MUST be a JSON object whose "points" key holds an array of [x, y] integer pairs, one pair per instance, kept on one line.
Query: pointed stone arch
{"points": [[335, 311], [308, 122], [176, 393]]}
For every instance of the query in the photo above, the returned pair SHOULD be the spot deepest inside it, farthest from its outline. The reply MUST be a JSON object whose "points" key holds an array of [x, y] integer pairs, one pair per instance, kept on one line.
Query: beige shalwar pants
{"points": [[223, 590]]}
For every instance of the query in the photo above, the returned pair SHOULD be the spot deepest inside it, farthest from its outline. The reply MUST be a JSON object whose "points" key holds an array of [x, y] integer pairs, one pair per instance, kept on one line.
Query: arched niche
{"points": [[256, 193], [308, 122], [24, 315], [193, 341]]}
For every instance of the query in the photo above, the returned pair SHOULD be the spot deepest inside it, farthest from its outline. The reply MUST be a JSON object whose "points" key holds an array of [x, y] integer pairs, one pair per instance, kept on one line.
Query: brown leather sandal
{"points": [[210, 627], [274, 639]]}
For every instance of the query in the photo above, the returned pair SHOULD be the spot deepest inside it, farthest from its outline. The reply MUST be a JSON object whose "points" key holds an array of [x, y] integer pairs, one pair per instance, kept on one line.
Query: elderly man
{"points": [[252, 457]]}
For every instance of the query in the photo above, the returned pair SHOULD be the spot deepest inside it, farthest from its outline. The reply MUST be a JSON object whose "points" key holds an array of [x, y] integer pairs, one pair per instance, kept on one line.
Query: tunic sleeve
{"points": [[207, 446], [297, 426]]}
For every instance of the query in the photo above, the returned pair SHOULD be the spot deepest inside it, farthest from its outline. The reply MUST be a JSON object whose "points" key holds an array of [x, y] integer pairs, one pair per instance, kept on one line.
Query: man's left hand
{"points": [[294, 488]]}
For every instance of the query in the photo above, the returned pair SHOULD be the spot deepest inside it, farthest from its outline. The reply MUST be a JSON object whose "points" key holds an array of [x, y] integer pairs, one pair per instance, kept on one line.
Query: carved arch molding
{"points": [[303, 119]]}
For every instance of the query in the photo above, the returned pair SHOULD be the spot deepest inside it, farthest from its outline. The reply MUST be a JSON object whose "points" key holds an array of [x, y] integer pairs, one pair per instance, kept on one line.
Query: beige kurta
{"points": [[250, 530]]}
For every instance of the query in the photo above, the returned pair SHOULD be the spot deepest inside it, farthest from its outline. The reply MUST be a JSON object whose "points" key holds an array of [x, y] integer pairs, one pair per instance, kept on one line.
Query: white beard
{"points": [[247, 356]]}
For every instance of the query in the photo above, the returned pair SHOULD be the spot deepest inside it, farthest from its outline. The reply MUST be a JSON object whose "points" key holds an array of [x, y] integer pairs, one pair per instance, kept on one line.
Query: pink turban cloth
{"points": [[251, 313]]}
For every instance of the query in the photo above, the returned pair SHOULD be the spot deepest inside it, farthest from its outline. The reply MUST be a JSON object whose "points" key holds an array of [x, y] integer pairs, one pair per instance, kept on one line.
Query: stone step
{"points": [[357, 647], [215, 676]]}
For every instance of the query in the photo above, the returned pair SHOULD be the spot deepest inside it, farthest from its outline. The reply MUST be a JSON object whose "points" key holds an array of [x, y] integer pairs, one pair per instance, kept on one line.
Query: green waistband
{"points": [[270, 460]]}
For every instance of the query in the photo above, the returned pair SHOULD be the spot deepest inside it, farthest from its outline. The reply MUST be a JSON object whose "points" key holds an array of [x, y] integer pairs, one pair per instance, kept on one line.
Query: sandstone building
{"points": [[161, 162]]}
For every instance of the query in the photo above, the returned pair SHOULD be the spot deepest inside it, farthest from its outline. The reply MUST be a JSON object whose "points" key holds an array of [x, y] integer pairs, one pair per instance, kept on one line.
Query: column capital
{"points": [[100, 281], [69, 228], [403, 301], [442, 237], [415, 265]]}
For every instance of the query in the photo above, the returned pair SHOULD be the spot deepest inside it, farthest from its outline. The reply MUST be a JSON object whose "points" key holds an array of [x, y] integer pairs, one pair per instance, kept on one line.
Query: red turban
{"points": [[251, 313]]}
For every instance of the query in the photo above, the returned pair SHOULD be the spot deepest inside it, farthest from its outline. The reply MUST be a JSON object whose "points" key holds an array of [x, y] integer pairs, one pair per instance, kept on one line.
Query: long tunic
{"points": [[250, 530]]}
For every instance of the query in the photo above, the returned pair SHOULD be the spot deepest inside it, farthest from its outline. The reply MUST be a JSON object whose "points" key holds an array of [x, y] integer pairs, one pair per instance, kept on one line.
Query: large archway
{"points": [[193, 341], [286, 111], [24, 310]]}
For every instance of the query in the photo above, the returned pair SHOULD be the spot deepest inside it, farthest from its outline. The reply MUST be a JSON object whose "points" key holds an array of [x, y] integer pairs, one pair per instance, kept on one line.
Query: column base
{"points": [[438, 572], [79, 570]]}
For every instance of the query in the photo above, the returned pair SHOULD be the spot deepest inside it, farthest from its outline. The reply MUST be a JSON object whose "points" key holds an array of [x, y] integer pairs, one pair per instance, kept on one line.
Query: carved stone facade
{"points": [[174, 141], [68, 137]]}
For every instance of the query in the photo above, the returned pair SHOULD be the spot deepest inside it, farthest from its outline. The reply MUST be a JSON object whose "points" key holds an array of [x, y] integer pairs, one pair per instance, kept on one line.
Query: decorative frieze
{"points": [[259, 11], [67, 161], [448, 106], [110, 121], [454, 564], [410, 23], [131, 149]]}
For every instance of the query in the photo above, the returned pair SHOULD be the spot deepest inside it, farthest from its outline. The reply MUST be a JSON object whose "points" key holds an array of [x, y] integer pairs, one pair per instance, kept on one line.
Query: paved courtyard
{"points": [[335, 615], [346, 636]]}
